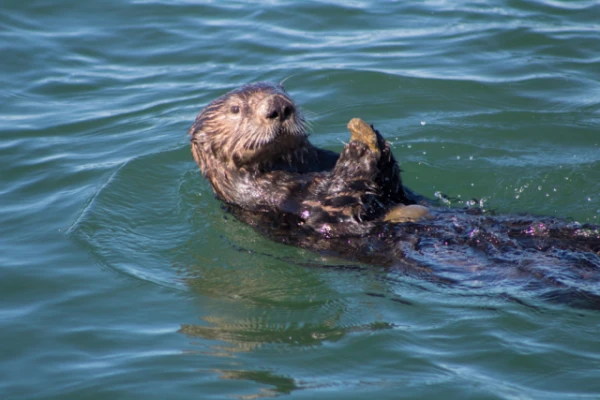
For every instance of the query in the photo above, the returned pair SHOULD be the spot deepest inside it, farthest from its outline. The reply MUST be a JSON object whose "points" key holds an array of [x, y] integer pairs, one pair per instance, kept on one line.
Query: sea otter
{"points": [[252, 146]]}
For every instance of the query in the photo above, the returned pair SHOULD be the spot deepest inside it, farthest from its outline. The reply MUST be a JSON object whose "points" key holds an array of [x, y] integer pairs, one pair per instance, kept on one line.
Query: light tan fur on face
{"points": [[246, 138]]}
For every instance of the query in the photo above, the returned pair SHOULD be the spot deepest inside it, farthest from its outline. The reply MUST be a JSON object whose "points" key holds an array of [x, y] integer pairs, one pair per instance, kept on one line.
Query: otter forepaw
{"points": [[362, 132]]}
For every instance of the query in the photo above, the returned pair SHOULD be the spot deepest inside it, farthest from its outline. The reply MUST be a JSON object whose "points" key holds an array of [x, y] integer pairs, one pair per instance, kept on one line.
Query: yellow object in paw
{"points": [[410, 213], [362, 132]]}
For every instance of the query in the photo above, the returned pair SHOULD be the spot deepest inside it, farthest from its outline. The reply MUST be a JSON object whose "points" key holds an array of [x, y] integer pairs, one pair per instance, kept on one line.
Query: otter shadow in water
{"points": [[252, 147]]}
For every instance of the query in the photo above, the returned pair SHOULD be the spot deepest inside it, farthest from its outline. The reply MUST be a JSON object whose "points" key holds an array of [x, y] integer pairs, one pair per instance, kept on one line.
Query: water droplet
{"points": [[423, 123]]}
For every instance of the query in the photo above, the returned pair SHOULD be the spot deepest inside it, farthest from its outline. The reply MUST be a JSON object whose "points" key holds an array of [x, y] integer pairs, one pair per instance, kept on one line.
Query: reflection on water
{"points": [[281, 385], [248, 335], [261, 303], [265, 300]]}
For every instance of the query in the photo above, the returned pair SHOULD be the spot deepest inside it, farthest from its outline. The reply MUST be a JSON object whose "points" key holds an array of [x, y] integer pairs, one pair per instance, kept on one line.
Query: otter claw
{"points": [[362, 132]]}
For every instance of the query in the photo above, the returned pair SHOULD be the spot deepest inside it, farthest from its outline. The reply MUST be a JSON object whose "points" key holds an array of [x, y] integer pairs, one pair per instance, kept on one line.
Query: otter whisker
{"points": [[309, 113], [285, 79]]}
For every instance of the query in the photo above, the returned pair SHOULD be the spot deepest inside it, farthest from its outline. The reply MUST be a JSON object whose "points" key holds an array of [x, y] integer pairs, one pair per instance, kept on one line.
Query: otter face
{"points": [[248, 127]]}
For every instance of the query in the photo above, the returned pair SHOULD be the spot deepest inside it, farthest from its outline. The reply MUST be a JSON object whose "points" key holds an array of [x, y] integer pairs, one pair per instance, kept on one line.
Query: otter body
{"points": [[252, 147]]}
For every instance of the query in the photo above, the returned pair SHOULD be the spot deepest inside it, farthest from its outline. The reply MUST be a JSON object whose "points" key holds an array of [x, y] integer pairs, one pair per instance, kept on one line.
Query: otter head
{"points": [[248, 128]]}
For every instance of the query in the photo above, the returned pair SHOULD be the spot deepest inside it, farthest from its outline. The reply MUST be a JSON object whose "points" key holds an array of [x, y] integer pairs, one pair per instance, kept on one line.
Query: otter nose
{"points": [[279, 108]]}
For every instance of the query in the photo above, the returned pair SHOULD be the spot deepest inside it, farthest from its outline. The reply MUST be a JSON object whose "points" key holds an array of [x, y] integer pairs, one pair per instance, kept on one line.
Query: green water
{"points": [[122, 278]]}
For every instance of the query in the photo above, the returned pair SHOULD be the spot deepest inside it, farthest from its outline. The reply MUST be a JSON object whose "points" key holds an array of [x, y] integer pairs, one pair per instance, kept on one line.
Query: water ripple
{"points": [[154, 290]]}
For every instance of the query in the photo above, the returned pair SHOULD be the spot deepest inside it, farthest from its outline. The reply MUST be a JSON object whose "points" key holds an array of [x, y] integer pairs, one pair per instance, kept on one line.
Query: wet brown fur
{"points": [[252, 147]]}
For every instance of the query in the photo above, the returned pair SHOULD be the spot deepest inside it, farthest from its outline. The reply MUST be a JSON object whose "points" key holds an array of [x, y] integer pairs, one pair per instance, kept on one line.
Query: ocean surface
{"points": [[121, 277]]}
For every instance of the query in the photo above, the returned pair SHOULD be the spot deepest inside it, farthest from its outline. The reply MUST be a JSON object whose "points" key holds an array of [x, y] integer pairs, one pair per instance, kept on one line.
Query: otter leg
{"points": [[364, 185], [386, 175], [350, 193], [365, 181]]}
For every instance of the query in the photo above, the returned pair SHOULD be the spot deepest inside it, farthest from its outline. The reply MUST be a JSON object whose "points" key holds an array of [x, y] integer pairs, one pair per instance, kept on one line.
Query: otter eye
{"points": [[235, 109]]}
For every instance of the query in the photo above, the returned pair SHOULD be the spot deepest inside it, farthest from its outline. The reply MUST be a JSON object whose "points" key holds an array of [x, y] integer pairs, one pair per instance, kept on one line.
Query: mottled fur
{"points": [[252, 147]]}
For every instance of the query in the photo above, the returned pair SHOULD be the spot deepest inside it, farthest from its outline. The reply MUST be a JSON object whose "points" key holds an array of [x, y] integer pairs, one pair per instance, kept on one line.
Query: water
{"points": [[121, 277]]}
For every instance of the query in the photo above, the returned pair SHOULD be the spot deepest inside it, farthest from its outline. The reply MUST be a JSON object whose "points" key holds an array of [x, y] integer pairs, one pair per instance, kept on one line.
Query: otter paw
{"points": [[362, 132], [410, 213]]}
